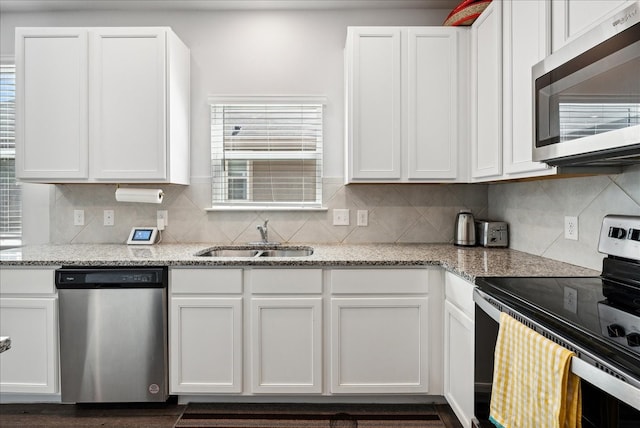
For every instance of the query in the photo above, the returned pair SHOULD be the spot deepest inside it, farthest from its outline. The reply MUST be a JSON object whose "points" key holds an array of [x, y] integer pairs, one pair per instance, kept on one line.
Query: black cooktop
{"points": [[581, 309]]}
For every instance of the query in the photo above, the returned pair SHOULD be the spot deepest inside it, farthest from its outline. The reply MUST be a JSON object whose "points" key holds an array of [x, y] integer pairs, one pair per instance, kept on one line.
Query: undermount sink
{"points": [[251, 252]]}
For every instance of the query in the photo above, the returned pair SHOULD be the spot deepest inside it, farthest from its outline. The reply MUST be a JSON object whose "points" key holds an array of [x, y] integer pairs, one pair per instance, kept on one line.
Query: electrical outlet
{"points": [[78, 217], [341, 217], [571, 228], [363, 218], [108, 218], [164, 216]]}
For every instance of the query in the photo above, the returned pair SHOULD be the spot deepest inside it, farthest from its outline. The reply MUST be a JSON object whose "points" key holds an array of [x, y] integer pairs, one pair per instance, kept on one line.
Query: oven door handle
{"points": [[618, 388]]}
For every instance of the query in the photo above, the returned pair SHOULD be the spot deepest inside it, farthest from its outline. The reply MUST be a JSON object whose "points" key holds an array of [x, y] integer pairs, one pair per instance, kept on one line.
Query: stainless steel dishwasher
{"points": [[113, 334]]}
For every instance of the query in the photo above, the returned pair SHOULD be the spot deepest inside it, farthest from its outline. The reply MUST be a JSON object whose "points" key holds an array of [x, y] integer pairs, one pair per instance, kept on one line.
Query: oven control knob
{"points": [[615, 330], [617, 233], [633, 339], [634, 234]]}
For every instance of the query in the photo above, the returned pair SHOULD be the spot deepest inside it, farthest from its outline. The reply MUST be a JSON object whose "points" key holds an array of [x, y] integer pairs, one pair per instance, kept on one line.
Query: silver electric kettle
{"points": [[465, 231]]}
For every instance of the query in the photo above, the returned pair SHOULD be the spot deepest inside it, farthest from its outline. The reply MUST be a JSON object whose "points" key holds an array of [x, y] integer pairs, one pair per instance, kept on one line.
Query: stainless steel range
{"points": [[596, 317]]}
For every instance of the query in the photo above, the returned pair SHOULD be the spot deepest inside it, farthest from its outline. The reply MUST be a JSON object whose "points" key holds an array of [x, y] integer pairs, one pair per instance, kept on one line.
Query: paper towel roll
{"points": [[148, 196]]}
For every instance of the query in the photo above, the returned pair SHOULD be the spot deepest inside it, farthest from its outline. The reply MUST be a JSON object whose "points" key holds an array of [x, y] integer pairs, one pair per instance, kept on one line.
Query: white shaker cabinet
{"points": [[373, 91], [570, 18], [115, 109], [52, 116], [486, 80], [383, 331], [205, 331], [405, 99], [286, 331], [525, 43], [459, 347], [29, 316]]}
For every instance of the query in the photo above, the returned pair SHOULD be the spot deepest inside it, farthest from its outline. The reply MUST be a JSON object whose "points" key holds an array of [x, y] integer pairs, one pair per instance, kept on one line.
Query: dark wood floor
{"points": [[122, 416]]}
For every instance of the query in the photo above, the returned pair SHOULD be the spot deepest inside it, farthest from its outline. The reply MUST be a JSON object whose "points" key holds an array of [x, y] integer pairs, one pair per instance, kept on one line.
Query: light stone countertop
{"points": [[469, 263]]}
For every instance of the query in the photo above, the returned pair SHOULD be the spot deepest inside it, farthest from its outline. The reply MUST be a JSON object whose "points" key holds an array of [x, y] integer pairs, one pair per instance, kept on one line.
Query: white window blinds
{"points": [[579, 120], [10, 194], [266, 155]]}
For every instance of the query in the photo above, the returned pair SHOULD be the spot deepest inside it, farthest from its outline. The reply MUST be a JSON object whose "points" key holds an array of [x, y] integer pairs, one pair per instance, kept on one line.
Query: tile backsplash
{"points": [[535, 211], [407, 213], [397, 213]]}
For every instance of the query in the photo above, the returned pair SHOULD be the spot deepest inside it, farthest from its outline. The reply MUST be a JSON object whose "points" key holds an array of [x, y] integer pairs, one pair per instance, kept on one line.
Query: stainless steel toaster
{"points": [[492, 233]]}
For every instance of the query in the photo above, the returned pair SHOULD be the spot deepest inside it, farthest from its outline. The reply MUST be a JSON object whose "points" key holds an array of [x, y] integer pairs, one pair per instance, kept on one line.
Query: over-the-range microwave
{"points": [[587, 97]]}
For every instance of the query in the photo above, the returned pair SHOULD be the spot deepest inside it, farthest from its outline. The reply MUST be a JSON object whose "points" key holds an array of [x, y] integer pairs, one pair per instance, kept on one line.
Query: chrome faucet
{"points": [[264, 232]]}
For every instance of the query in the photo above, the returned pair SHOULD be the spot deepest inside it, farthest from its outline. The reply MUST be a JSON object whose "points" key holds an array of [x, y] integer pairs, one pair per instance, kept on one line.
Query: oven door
{"points": [[607, 401]]}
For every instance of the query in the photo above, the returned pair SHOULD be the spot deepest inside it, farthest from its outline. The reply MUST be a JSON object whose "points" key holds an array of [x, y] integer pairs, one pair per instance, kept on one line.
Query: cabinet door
{"points": [[31, 365], [525, 44], [286, 345], [127, 103], [458, 362], [205, 345], [373, 103], [486, 132], [432, 103], [51, 104], [379, 345], [570, 18]]}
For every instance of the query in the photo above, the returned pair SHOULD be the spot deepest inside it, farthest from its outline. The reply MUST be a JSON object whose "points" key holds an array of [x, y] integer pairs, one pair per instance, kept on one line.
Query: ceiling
{"points": [[77, 5]]}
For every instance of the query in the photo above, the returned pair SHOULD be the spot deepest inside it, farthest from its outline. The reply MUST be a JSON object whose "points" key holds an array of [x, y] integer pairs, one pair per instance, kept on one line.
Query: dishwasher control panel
{"points": [[113, 278]]}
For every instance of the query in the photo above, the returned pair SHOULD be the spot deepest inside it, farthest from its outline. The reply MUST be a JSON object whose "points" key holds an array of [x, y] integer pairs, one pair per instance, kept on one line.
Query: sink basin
{"points": [[289, 252], [252, 251], [229, 252]]}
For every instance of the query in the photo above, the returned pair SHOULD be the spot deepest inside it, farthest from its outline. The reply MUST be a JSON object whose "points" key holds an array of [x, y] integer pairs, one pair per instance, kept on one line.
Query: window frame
{"points": [[250, 205], [15, 238]]}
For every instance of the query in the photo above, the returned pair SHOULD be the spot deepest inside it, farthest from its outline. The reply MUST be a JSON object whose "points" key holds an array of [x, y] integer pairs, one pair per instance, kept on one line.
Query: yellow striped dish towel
{"points": [[533, 386]]}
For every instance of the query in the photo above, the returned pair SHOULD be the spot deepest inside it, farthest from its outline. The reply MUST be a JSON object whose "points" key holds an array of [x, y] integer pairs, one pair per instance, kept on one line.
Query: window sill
{"points": [[264, 208]]}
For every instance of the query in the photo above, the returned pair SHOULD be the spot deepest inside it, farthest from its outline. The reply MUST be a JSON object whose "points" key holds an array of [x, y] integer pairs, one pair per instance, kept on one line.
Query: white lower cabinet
{"points": [[378, 345], [311, 331], [286, 331], [28, 315], [205, 332], [380, 331], [459, 347]]}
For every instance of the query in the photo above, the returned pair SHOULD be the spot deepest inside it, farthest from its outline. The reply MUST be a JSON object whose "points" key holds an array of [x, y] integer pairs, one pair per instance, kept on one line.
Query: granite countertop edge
{"points": [[467, 262]]}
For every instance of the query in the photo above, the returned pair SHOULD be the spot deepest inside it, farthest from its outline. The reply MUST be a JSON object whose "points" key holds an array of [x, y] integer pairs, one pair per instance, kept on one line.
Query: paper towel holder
{"points": [[140, 195]]}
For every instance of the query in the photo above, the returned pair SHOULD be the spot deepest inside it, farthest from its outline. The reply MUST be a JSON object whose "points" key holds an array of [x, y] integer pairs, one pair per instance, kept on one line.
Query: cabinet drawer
{"points": [[205, 281], [460, 293], [27, 281], [379, 281], [289, 281]]}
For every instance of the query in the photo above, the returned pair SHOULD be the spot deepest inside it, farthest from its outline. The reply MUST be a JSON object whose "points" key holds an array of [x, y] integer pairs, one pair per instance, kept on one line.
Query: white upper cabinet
{"points": [[486, 80], [525, 43], [404, 103], [373, 89], [51, 104], [570, 18], [130, 125], [433, 103]]}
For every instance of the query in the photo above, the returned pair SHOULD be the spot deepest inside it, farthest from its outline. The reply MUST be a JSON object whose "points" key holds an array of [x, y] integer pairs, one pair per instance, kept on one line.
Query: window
{"points": [[10, 194], [266, 154]]}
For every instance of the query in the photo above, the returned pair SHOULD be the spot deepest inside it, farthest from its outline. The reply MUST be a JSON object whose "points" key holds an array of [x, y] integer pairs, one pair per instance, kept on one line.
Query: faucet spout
{"points": [[264, 232]]}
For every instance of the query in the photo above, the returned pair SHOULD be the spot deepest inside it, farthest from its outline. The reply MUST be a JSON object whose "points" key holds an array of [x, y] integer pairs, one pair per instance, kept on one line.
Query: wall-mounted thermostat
{"points": [[143, 236]]}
